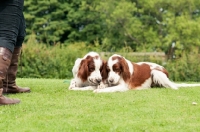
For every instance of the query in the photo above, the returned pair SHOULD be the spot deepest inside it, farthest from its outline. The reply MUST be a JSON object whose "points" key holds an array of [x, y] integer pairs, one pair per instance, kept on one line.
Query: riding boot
{"points": [[5, 57], [9, 83]]}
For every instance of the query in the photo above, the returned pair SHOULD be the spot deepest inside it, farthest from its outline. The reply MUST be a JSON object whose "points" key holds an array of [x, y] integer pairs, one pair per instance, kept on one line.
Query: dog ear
{"points": [[83, 70], [103, 70], [125, 70]]}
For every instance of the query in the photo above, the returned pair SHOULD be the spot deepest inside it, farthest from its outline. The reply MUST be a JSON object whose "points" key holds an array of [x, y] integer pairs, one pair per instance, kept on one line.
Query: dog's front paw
{"points": [[72, 84], [101, 86], [96, 91]]}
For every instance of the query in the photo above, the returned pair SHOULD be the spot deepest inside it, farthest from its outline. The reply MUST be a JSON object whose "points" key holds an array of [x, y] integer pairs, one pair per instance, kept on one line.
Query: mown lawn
{"points": [[51, 107]]}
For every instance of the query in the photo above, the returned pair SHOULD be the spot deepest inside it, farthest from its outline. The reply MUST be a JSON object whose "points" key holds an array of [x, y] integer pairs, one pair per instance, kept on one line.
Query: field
{"points": [[51, 107]]}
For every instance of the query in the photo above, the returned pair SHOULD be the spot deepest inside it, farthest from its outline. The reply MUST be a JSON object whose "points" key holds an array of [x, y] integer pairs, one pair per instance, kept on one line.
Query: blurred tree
{"points": [[135, 25], [122, 28], [62, 21], [180, 25], [85, 22], [47, 19]]}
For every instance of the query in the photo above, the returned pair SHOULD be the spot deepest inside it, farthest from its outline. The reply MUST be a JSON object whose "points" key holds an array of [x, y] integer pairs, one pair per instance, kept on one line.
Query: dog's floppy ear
{"points": [[103, 70], [83, 70], [125, 69]]}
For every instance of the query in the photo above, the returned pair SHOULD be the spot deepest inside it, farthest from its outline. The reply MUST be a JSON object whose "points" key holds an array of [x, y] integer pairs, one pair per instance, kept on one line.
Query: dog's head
{"points": [[117, 68], [89, 69]]}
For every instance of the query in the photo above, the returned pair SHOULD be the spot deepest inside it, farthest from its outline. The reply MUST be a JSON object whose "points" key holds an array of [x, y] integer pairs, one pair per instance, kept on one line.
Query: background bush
{"points": [[42, 61], [186, 68]]}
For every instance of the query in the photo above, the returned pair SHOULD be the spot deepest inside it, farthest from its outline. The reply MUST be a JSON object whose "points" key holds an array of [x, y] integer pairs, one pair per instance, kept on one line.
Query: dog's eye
{"points": [[117, 70], [108, 69], [91, 69]]}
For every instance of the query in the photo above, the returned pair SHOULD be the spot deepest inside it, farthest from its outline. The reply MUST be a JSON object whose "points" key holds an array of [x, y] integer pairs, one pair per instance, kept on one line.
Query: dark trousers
{"points": [[12, 24]]}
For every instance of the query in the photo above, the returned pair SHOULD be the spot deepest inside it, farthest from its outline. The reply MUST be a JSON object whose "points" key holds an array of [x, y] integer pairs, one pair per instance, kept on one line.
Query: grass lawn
{"points": [[51, 107]]}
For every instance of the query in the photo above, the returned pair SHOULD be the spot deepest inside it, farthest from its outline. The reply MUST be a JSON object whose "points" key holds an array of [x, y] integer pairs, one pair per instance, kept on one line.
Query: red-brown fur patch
{"points": [[140, 74], [86, 67], [122, 68], [104, 71]]}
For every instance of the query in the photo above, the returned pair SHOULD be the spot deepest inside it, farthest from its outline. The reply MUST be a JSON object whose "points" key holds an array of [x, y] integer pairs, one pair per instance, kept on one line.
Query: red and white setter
{"points": [[124, 75], [87, 72]]}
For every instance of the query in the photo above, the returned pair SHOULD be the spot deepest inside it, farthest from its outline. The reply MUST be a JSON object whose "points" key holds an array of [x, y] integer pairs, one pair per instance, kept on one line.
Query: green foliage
{"points": [[48, 21], [62, 21], [120, 23], [142, 25], [51, 107], [186, 68], [42, 61]]}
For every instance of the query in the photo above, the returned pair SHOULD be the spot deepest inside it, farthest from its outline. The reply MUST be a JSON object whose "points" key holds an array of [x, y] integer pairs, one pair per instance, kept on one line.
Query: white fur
{"points": [[76, 66], [161, 78], [151, 64], [96, 73], [130, 66]]}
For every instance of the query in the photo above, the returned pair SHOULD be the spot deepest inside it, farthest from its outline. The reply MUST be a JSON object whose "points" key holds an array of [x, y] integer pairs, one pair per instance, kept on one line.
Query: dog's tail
{"points": [[187, 85], [160, 79]]}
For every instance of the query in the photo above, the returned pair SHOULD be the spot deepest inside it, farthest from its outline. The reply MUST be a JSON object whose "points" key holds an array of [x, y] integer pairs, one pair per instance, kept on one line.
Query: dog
{"points": [[87, 72], [124, 75]]}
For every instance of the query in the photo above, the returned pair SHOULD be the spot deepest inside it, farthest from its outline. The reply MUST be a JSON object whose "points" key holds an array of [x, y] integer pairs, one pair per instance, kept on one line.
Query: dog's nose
{"points": [[110, 80], [98, 80]]}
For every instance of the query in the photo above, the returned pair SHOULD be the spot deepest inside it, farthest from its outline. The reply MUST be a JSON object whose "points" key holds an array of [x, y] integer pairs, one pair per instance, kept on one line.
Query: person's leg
{"points": [[9, 83], [10, 19], [10, 13], [5, 57]]}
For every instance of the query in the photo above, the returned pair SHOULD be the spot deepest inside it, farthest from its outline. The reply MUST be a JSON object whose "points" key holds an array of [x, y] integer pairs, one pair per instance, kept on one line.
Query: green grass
{"points": [[51, 107]]}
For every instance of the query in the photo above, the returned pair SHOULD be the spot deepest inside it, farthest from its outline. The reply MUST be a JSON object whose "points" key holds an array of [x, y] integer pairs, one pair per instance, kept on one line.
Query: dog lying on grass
{"points": [[124, 75]]}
